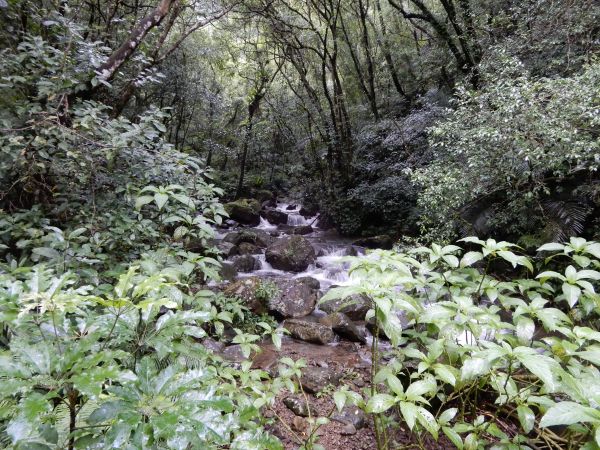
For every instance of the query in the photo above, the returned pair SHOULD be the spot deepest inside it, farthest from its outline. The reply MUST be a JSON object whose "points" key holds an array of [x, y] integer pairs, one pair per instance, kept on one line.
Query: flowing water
{"points": [[329, 247]]}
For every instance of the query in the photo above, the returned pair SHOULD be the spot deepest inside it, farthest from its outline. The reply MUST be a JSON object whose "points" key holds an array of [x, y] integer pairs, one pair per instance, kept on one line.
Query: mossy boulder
{"points": [[260, 238], [291, 253], [244, 211]]}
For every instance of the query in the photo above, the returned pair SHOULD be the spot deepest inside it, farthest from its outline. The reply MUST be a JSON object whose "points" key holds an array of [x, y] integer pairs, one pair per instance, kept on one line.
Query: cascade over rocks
{"points": [[260, 238], [295, 298], [291, 253], [309, 331], [244, 211]]}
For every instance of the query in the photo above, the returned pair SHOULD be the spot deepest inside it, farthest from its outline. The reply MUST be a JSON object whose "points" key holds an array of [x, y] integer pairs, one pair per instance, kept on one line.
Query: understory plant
{"points": [[490, 348]]}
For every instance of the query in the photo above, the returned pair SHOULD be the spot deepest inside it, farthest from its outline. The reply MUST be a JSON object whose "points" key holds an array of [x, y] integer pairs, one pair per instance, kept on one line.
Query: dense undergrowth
{"points": [[489, 347]]}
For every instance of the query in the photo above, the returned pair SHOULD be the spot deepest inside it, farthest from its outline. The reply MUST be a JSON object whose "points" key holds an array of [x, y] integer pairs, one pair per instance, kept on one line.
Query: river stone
{"points": [[309, 331], [234, 353], [212, 345], [246, 248], [246, 263], [297, 405], [228, 272], [354, 306], [260, 238], [295, 298], [291, 253], [275, 217], [315, 379], [290, 207], [342, 325], [227, 249], [246, 290], [382, 241], [351, 415], [301, 229], [244, 211]]}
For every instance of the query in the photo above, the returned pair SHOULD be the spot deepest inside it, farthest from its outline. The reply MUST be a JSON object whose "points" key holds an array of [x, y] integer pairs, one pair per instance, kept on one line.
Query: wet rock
{"points": [[291, 253], [348, 430], [351, 415], [343, 326], [246, 248], [227, 249], [260, 238], [228, 272], [234, 353], [291, 207], [301, 230], [246, 290], [271, 203], [382, 241], [309, 331], [244, 211], [275, 217], [297, 405], [315, 379], [354, 306], [351, 251], [299, 424], [212, 345], [246, 263], [295, 298]]}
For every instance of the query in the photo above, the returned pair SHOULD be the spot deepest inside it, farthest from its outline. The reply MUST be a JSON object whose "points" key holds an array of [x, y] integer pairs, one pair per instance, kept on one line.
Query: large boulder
{"points": [[246, 248], [244, 211], [228, 271], [309, 331], [260, 238], [274, 216], [291, 253], [295, 298], [246, 290], [343, 326], [354, 306], [382, 241], [227, 249], [296, 229], [245, 263]]}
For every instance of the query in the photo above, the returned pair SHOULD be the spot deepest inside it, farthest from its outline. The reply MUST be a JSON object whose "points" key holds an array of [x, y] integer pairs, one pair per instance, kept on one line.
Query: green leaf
{"points": [[568, 413], [339, 397], [105, 412], [428, 422], [409, 412], [160, 200], [380, 403], [454, 437], [571, 293], [551, 247], [143, 200], [470, 258], [47, 252], [526, 417]]}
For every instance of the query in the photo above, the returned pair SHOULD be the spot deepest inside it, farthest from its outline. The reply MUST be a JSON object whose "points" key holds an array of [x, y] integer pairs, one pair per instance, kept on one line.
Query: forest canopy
{"points": [[149, 147]]}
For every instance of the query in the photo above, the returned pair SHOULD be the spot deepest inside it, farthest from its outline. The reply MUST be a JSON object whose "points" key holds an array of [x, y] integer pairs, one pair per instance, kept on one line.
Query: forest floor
{"points": [[349, 360]]}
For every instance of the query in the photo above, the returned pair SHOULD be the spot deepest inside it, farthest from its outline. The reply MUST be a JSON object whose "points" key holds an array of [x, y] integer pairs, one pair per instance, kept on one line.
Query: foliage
{"points": [[490, 362], [514, 155]]}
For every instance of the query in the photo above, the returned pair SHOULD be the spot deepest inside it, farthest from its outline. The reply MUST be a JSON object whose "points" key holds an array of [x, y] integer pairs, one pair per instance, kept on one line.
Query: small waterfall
{"points": [[266, 225], [295, 219]]}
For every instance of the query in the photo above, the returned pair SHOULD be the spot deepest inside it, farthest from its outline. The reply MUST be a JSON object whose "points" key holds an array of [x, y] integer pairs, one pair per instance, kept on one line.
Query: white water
{"points": [[327, 268]]}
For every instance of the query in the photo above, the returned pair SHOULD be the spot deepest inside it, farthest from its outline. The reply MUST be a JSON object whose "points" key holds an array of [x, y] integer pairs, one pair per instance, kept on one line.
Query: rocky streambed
{"points": [[282, 246]]}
